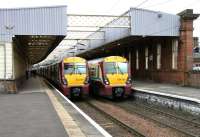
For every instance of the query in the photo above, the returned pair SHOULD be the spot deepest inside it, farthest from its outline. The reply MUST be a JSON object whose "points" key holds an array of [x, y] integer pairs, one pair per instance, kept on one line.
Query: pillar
{"points": [[185, 52]]}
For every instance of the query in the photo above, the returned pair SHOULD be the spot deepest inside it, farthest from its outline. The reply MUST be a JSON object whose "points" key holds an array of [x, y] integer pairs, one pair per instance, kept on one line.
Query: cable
{"points": [[141, 4]]}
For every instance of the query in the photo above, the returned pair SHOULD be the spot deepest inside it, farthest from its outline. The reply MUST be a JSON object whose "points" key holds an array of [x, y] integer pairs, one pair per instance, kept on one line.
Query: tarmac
{"points": [[168, 89], [29, 115], [37, 112]]}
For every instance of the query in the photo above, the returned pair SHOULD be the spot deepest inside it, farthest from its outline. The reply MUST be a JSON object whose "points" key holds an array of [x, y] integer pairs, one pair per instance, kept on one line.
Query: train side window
{"points": [[92, 71], [99, 72], [57, 78]]}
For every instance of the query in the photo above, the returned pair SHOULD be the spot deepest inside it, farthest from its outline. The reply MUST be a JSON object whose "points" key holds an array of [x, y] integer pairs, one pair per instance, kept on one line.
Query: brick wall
{"points": [[194, 79], [165, 73]]}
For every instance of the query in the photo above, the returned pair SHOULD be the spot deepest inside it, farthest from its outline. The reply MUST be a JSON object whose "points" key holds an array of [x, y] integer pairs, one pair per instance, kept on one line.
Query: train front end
{"points": [[117, 77], [75, 81]]}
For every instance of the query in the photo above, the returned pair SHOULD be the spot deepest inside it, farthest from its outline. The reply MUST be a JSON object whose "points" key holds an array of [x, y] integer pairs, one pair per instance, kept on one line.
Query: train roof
{"points": [[108, 59], [74, 59]]}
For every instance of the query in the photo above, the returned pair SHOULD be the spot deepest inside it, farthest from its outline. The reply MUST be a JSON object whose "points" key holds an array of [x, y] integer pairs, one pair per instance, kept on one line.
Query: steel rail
{"points": [[116, 121], [171, 115], [159, 122]]}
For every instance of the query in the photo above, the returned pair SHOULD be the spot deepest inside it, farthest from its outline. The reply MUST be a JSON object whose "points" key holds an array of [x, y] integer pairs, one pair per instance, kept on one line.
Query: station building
{"points": [[158, 45], [27, 36]]}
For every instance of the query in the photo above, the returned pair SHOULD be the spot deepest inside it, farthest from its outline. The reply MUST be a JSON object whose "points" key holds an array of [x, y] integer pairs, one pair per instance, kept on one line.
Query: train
{"points": [[76, 77], [110, 77], [70, 75]]}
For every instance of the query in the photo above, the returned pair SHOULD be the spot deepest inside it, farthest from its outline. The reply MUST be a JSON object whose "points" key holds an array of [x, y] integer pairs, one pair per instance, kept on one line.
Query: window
{"points": [[122, 67], [146, 58], [174, 53], [80, 68], [116, 67], [68, 69], [110, 68], [158, 56], [137, 60], [76, 68]]}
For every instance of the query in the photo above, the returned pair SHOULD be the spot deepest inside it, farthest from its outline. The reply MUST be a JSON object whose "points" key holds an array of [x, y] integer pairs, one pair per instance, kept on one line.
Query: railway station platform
{"points": [[170, 95], [37, 111]]}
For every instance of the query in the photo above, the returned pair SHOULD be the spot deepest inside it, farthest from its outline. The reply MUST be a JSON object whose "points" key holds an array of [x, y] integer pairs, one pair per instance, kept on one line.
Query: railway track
{"points": [[187, 128], [118, 122], [129, 120], [183, 125], [187, 121], [113, 121]]}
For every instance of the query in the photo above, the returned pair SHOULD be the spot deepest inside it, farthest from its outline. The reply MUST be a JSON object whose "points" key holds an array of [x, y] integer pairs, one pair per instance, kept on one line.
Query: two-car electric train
{"points": [[110, 77], [70, 75]]}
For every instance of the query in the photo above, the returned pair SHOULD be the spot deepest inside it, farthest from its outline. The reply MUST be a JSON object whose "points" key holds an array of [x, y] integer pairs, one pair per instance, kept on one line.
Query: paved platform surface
{"points": [[85, 125], [39, 111], [29, 114], [168, 89]]}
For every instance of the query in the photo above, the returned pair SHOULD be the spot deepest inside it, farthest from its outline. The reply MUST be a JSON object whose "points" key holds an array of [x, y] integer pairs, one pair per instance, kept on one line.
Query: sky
{"points": [[112, 7]]}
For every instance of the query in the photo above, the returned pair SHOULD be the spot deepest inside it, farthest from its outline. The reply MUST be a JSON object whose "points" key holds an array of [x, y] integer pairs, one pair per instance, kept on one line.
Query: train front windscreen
{"points": [[116, 73], [75, 73], [75, 68], [116, 67]]}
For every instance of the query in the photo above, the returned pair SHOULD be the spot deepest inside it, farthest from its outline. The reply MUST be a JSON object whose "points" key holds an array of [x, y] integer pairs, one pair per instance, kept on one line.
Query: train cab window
{"points": [[122, 67], [116, 67], [69, 69], [110, 68], [80, 68], [77, 68]]}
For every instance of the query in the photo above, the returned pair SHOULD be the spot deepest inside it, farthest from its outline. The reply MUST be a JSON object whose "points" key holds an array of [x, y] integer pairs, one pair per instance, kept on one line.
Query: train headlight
{"points": [[129, 81], [106, 81], [86, 80], [64, 81]]}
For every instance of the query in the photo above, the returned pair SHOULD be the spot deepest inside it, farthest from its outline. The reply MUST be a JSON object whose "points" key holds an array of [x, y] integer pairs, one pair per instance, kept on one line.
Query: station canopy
{"points": [[82, 30], [34, 31], [89, 35], [36, 47]]}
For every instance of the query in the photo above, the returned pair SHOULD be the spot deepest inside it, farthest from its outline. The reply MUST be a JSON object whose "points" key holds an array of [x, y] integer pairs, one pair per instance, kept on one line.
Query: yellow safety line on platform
{"points": [[69, 124]]}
